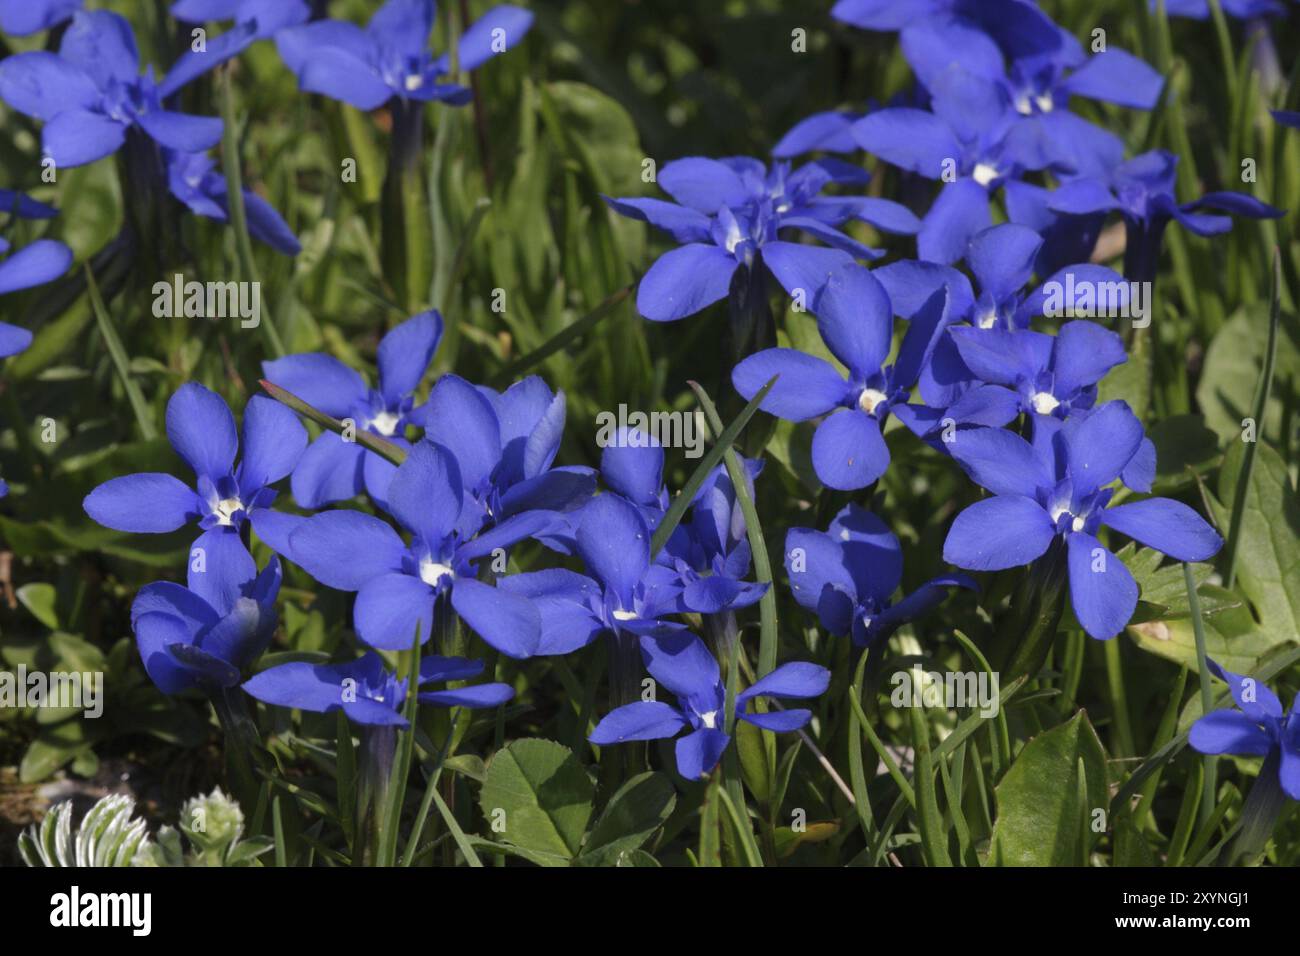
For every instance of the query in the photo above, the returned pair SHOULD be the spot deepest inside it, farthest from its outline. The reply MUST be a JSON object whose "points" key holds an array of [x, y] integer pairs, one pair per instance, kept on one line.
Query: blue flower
{"points": [[368, 693], [193, 179], [1238, 9], [848, 573], [205, 634], [710, 551], [390, 57], [1258, 728], [1142, 192], [730, 215], [505, 443], [202, 430], [856, 321], [625, 594], [91, 94], [682, 664], [334, 469], [1287, 118], [22, 18], [1056, 488], [402, 586], [254, 20], [1051, 375], [35, 264]]}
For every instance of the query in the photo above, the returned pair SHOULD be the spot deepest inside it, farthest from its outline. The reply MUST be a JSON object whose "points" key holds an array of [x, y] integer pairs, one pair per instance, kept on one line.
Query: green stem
{"points": [[1207, 696]]}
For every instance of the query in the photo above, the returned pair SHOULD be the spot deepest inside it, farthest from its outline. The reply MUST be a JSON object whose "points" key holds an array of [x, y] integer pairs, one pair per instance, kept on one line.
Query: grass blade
{"points": [[385, 449], [561, 339], [121, 361]]}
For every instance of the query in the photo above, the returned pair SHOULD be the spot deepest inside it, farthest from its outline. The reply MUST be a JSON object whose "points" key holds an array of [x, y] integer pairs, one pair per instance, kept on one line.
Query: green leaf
{"points": [[542, 796], [1232, 370], [39, 598], [1039, 811], [636, 810]]}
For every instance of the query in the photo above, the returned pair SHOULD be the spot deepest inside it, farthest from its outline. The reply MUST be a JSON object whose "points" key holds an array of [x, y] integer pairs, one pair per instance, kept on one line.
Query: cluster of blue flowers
{"points": [[1014, 406]]}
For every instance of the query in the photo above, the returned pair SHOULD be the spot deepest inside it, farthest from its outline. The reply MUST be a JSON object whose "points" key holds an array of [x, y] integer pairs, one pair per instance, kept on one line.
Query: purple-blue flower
{"points": [[729, 214], [400, 586], [22, 18], [206, 634], [1142, 192], [390, 57], [91, 94], [683, 665], [1258, 728], [202, 430], [254, 20], [367, 692], [847, 576], [856, 321], [1056, 487], [193, 179], [333, 469]]}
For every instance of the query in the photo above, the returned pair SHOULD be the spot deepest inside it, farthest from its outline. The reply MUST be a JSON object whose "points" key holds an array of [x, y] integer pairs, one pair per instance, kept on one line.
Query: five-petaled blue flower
{"points": [[206, 634], [848, 573], [400, 586], [334, 469], [1258, 728], [856, 321], [368, 693], [390, 57], [202, 430], [682, 664], [1057, 487], [730, 215], [91, 94]]}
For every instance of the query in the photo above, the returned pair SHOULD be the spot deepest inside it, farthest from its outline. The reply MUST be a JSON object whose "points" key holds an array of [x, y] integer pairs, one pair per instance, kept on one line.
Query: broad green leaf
{"points": [[1232, 368], [538, 798], [38, 598], [636, 810], [1040, 819]]}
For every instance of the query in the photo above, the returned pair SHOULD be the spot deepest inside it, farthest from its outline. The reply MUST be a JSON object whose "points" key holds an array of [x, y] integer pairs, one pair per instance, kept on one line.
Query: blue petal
{"points": [[145, 503], [42, 261], [219, 568], [642, 720], [180, 131], [911, 139], [296, 45], [831, 131], [633, 466], [425, 494], [42, 85], [685, 280], [1002, 532], [910, 285], [800, 268], [103, 45], [321, 381], [699, 752], [1101, 445], [345, 549], [779, 721], [329, 470], [808, 386], [615, 544], [480, 695], [154, 632], [405, 353], [681, 222], [268, 226], [1000, 357], [871, 552], [703, 184], [194, 63], [202, 430], [1255, 699], [1001, 461], [78, 137], [1002, 258], [680, 661], [500, 29], [855, 319], [390, 608], [403, 26], [1117, 77], [343, 76], [795, 679], [311, 687], [458, 417], [960, 212], [1166, 525], [434, 668], [507, 621], [1229, 732], [274, 440], [848, 451], [1102, 592]]}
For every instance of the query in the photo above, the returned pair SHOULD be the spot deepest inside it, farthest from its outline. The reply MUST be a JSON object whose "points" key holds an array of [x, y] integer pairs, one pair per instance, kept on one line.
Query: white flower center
{"points": [[869, 399], [984, 174], [431, 572], [385, 422], [1044, 402], [225, 510], [710, 719], [414, 82], [1078, 523], [621, 615], [1044, 101], [987, 319]]}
